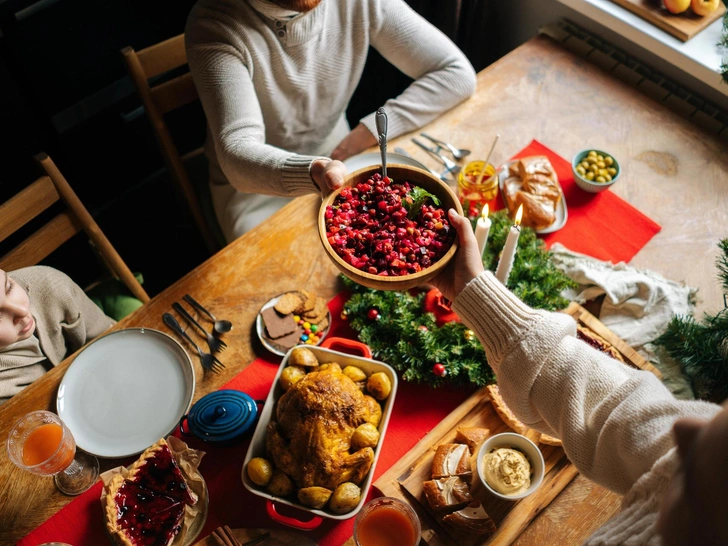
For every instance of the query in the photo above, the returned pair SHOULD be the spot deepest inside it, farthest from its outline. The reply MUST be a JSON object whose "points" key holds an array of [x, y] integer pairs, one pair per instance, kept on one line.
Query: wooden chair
{"points": [[42, 194], [146, 66]]}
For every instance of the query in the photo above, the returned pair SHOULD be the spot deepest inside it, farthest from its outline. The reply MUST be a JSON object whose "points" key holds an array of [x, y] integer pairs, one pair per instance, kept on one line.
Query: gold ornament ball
{"points": [[344, 315], [469, 335]]}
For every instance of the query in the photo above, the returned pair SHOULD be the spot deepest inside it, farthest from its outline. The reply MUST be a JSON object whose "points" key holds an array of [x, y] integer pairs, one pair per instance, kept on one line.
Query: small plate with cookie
{"points": [[294, 318]]}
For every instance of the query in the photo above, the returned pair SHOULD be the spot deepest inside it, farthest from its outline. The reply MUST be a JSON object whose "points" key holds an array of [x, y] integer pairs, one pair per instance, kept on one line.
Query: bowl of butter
{"points": [[510, 466]]}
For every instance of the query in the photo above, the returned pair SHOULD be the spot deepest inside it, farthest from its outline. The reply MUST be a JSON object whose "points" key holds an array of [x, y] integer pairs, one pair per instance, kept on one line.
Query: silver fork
{"points": [[208, 361], [441, 176], [449, 164], [216, 345]]}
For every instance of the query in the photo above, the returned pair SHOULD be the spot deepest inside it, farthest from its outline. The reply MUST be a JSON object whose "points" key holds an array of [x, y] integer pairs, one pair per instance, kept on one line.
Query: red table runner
{"points": [[417, 409], [601, 225]]}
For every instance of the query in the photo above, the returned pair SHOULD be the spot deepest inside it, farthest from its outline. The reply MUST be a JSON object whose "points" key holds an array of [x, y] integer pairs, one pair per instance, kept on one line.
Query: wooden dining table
{"points": [[673, 171]]}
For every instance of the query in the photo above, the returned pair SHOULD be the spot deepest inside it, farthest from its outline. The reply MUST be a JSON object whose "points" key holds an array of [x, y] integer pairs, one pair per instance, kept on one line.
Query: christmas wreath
{"points": [[418, 334]]}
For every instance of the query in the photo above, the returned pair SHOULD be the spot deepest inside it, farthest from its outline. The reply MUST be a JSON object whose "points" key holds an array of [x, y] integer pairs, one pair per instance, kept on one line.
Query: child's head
{"points": [[16, 322]]}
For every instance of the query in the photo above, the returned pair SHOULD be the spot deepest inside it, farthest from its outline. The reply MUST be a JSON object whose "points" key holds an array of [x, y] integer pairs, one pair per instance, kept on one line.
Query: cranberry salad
{"points": [[387, 228]]}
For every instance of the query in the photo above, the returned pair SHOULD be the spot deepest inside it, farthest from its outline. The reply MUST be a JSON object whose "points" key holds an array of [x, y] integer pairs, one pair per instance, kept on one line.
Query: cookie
{"points": [[503, 411], [307, 304], [318, 313], [289, 302], [276, 325]]}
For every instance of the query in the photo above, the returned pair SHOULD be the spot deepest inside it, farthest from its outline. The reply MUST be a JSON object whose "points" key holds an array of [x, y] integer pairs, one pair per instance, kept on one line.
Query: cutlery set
{"points": [[451, 168], [217, 345]]}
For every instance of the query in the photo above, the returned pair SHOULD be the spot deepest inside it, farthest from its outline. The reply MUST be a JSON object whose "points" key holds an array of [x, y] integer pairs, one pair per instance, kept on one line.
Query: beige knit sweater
{"points": [[615, 421], [66, 319], [275, 84]]}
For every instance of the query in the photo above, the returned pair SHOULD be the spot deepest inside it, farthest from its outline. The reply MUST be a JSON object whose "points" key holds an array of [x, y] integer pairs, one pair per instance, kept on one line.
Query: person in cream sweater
{"points": [[620, 426], [275, 79], [44, 317]]}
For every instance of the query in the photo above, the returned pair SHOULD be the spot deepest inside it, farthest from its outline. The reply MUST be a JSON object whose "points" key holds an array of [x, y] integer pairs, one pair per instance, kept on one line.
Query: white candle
{"points": [[482, 228], [509, 250]]}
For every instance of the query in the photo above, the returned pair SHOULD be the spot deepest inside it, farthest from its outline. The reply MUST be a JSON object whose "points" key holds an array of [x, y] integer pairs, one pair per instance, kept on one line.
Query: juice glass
{"points": [[387, 521], [41, 443], [477, 195]]}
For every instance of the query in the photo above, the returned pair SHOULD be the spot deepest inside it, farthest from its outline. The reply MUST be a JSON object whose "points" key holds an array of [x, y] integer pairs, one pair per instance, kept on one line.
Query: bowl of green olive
{"points": [[595, 170]]}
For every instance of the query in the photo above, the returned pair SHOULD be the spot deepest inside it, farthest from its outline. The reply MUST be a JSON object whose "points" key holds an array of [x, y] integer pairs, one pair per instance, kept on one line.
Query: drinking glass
{"points": [[42, 444], [387, 521]]}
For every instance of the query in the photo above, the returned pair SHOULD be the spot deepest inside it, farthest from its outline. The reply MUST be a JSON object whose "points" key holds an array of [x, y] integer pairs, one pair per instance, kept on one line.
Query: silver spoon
{"points": [[221, 326], [457, 153], [381, 120]]}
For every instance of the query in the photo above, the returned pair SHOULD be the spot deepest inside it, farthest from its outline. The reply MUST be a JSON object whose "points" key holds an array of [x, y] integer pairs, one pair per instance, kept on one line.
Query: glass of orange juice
{"points": [[387, 521], [41, 443]]}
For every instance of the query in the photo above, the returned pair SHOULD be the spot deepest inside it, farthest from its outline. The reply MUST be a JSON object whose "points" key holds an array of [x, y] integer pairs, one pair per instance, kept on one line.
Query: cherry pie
{"points": [[146, 508]]}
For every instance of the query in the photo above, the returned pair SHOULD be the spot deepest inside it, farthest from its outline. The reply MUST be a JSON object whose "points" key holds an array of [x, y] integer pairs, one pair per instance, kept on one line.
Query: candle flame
{"points": [[484, 213], [519, 214]]}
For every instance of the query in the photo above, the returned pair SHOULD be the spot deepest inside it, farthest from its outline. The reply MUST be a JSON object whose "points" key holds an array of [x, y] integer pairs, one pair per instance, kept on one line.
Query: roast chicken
{"points": [[310, 439]]}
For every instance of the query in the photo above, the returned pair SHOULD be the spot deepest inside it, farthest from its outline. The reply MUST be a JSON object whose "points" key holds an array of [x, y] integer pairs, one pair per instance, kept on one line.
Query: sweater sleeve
{"points": [[443, 75], [615, 421], [235, 121]]}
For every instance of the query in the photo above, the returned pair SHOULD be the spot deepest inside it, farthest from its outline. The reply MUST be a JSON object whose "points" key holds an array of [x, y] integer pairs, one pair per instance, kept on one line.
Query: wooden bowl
{"points": [[399, 173]]}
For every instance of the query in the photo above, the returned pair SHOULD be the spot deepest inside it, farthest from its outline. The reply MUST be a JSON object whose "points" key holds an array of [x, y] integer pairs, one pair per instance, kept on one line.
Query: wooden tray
{"points": [[405, 478], [631, 357], [682, 26]]}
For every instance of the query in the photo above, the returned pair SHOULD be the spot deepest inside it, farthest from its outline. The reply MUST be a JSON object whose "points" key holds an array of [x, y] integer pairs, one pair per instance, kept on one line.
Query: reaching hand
{"points": [[467, 263], [328, 174]]}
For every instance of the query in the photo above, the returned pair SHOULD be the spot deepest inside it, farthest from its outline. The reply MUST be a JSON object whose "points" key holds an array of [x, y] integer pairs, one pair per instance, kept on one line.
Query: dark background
{"points": [[64, 91]]}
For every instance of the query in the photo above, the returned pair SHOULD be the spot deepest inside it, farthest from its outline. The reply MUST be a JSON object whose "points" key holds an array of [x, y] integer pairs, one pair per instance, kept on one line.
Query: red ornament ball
{"points": [[439, 370], [372, 314]]}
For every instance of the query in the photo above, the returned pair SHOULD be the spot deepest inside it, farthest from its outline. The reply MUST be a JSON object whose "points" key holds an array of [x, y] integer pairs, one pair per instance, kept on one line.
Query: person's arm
{"points": [[443, 75], [615, 421], [235, 121]]}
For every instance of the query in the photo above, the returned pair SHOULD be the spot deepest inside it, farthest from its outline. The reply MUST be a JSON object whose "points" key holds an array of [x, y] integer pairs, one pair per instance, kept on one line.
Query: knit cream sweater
{"points": [[615, 421], [66, 319], [275, 84]]}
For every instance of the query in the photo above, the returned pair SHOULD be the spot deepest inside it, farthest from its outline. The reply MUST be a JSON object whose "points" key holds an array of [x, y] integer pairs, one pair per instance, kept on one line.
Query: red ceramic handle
{"points": [[340, 343], [309, 525]]}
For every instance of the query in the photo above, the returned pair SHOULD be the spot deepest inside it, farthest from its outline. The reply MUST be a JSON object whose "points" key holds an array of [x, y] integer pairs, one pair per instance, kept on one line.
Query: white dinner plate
{"points": [[126, 390], [270, 344], [356, 162], [562, 213]]}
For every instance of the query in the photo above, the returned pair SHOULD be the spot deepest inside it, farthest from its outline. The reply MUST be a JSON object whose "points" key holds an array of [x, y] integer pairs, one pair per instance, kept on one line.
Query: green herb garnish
{"points": [[418, 197]]}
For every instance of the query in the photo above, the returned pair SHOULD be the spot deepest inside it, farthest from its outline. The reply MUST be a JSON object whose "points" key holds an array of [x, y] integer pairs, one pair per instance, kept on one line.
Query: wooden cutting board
{"points": [[682, 26], [405, 478]]}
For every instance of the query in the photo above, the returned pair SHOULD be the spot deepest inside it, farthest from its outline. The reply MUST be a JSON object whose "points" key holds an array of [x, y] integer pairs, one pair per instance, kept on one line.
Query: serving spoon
{"points": [[381, 120]]}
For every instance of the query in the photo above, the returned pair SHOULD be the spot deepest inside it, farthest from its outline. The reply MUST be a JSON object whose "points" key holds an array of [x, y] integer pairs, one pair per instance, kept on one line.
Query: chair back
{"points": [[29, 203], [146, 67]]}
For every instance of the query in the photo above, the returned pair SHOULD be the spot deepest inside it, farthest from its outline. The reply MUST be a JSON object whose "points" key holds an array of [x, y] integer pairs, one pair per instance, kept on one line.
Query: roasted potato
{"points": [[260, 471], [345, 498], [315, 497], [379, 385], [301, 356], [333, 365], [375, 410], [354, 373], [290, 376], [365, 435], [280, 484]]}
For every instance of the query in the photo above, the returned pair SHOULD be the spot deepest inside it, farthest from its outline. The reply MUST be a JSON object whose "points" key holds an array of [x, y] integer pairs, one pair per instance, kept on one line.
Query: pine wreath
{"points": [[402, 334]]}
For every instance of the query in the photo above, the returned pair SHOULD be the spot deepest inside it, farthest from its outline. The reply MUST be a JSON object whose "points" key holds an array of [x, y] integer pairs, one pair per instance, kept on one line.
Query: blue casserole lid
{"points": [[221, 415]]}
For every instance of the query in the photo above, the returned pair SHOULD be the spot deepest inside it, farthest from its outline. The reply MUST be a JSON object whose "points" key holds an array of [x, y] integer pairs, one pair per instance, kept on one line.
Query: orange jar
{"points": [[472, 192], [387, 521]]}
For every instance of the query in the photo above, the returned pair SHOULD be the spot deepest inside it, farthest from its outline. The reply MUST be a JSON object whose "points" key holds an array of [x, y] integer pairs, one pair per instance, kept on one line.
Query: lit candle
{"points": [[482, 228], [509, 250]]}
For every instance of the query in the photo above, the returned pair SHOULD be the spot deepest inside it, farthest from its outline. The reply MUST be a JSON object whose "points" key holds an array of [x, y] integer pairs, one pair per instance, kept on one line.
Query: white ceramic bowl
{"points": [[525, 446], [588, 185]]}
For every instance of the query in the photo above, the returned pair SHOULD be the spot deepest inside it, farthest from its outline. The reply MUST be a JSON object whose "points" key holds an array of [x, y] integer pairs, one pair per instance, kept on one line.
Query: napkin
{"points": [[417, 409], [601, 225]]}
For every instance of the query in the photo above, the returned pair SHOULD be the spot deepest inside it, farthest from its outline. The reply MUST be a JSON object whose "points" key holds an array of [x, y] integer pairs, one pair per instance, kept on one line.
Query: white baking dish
{"points": [[257, 444]]}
